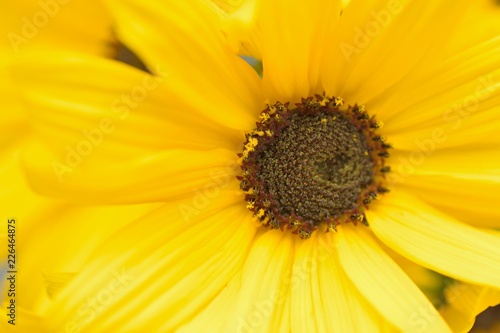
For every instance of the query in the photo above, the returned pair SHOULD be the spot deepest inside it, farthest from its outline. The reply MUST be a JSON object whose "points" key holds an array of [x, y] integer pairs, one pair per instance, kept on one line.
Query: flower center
{"points": [[317, 163]]}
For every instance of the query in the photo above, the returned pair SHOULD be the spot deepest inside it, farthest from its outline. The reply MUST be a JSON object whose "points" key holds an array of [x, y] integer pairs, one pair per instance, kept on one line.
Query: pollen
{"points": [[319, 164]]}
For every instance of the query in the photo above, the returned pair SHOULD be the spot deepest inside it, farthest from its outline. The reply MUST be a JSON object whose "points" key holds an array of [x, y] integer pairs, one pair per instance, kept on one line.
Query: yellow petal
{"points": [[261, 302], [63, 227], [305, 294], [469, 174], [182, 39], [436, 241], [384, 284], [39, 26], [464, 302], [43, 227], [470, 198], [17, 200], [128, 111], [378, 42], [238, 25], [151, 177], [176, 268], [471, 123], [25, 321], [449, 94], [94, 140], [292, 37], [479, 22], [323, 297], [12, 123], [430, 282]]}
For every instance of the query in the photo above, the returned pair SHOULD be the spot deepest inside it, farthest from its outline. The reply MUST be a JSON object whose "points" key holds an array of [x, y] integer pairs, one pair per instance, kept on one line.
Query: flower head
{"points": [[227, 152]]}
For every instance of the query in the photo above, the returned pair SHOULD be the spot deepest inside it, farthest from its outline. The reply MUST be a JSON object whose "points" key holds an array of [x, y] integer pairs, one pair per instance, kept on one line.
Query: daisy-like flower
{"points": [[365, 128]]}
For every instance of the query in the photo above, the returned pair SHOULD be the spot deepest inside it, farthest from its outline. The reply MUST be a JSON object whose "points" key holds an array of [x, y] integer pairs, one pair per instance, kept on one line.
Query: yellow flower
{"points": [[108, 133]]}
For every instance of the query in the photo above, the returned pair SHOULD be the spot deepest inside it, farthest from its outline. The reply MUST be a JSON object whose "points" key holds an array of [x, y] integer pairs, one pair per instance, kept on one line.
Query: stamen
{"points": [[312, 164]]}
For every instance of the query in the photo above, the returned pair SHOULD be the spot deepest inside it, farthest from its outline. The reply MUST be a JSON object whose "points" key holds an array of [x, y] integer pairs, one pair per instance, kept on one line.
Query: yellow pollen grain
{"points": [[323, 120], [259, 133], [264, 117], [253, 142], [260, 213]]}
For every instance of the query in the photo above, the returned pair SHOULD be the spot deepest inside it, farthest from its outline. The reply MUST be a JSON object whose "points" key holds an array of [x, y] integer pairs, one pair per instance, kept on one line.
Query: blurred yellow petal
{"points": [[122, 108], [390, 291], [151, 273], [464, 302], [327, 295], [474, 195], [93, 144], [290, 51], [380, 41], [224, 83], [434, 240], [39, 26]]}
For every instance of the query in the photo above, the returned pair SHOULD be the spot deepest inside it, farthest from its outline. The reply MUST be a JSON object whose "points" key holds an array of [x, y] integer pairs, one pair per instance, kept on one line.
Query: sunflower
{"points": [[277, 191]]}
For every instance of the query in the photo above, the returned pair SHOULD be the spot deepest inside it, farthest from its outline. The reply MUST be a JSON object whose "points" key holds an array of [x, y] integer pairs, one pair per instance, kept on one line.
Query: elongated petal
{"points": [[182, 39], [449, 93], [323, 294], [96, 140], [464, 302], [378, 42], [470, 198], [132, 109], [40, 26], [292, 37], [261, 302], [476, 24], [152, 177], [71, 228], [470, 174], [437, 241], [170, 273], [26, 321], [384, 284]]}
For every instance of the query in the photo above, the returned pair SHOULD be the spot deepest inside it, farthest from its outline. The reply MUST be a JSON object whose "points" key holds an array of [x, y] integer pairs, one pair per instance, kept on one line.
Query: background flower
{"points": [[46, 258]]}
